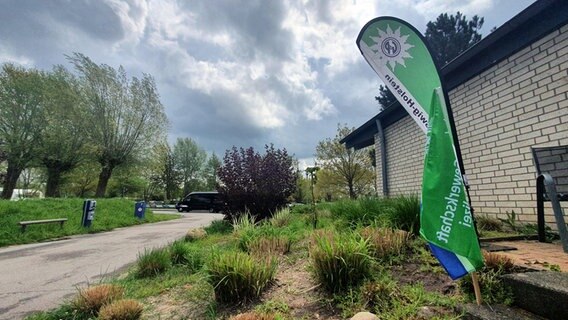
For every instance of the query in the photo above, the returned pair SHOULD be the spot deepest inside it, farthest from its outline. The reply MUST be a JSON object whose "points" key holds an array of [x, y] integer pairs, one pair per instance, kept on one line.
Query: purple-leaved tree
{"points": [[259, 183]]}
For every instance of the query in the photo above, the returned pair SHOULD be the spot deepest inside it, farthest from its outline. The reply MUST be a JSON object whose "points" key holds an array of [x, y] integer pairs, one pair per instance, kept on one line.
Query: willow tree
{"points": [[61, 144], [21, 120], [124, 115]]}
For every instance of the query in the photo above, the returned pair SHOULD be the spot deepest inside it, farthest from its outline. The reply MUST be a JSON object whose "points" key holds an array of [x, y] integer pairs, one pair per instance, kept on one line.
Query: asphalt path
{"points": [[41, 276]]}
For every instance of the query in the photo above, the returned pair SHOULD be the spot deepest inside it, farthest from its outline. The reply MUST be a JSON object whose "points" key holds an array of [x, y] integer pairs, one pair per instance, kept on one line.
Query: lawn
{"points": [[109, 214], [283, 268]]}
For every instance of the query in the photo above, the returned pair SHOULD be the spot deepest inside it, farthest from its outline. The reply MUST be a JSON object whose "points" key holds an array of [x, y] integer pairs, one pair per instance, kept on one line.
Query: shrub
{"points": [[258, 183], [405, 214], [220, 227], [153, 262], [384, 243], [340, 261], [281, 218], [121, 310], [195, 234], [182, 253], [238, 277], [90, 300]]}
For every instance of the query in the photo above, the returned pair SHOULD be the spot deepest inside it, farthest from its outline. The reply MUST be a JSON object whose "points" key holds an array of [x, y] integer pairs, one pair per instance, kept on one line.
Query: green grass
{"points": [[109, 214]]}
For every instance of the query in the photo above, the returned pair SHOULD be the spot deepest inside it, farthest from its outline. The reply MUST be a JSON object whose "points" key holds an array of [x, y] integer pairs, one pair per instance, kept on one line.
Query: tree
{"points": [[167, 175], [447, 37], [211, 168], [385, 97], [124, 115], [258, 183], [350, 167], [21, 120], [61, 144], [451, 35], [190, 159]]}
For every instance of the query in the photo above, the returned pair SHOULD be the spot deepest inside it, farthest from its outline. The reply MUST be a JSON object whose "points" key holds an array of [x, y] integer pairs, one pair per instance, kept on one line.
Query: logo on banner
{"points": [[391, 47]]}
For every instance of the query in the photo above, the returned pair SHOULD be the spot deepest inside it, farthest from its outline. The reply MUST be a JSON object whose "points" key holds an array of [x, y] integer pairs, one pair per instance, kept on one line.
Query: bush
{"points": [[121, 310], [90, 300], [220, 227], [339, 261], [182, 253], [405, 213], [258, 183], [153, 262], [195, 234], [238, 277], [385, 243]]}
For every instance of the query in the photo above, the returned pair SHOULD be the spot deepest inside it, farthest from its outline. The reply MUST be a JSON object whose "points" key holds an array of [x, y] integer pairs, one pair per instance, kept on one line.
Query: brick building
{"points": [[508, 93]]}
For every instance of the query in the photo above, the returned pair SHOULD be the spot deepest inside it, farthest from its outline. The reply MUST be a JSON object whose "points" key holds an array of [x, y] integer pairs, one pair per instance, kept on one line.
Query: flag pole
{"points": [[476, 288]]}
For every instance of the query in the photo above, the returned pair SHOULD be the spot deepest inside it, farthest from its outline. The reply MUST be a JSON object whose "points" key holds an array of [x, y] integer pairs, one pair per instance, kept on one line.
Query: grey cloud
{"points": [[255, 25]]}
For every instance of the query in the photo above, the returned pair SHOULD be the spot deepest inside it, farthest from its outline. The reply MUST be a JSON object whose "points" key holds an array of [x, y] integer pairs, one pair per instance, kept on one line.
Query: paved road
{"points": [[40, 276]]}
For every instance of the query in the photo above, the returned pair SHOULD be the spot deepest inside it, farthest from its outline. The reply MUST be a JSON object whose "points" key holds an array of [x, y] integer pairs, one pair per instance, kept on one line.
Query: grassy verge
{"points": [[110, 214]]}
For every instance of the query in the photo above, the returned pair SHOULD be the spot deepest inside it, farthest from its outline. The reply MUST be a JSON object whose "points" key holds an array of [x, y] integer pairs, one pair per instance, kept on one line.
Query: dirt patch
{"points": [[183, 302], [412, 272]]}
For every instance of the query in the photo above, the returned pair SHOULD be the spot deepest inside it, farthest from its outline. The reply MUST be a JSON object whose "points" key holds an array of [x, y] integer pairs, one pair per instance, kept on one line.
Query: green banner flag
{"points": [[445, 215], [398, 54]]}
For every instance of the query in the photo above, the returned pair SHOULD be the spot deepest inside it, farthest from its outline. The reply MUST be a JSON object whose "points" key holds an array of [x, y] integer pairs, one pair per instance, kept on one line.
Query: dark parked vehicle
{"points": [[210, 201]]}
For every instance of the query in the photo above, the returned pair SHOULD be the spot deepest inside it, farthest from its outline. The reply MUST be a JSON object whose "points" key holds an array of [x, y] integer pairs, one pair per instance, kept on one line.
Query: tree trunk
{"points": [[12, 175], [352, 194], [53, 181], [106, 172]]}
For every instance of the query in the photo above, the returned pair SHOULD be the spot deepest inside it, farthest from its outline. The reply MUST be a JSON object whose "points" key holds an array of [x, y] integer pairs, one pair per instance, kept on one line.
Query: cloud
{"points": [[230, 72]]}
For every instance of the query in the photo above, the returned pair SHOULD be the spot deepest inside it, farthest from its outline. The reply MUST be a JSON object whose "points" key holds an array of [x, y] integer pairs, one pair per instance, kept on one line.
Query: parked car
{"points": [[210, 201]]}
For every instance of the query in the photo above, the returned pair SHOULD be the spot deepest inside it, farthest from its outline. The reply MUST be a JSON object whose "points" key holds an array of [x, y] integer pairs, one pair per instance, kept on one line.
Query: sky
{"points": [[232, 72]]}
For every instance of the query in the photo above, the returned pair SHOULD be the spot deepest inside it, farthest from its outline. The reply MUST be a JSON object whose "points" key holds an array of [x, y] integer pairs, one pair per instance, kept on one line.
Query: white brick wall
{"points": [[520, 102]]}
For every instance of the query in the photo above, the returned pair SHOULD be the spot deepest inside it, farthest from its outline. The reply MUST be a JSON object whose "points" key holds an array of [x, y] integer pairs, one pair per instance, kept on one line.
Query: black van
{"points": [[210, 201]]}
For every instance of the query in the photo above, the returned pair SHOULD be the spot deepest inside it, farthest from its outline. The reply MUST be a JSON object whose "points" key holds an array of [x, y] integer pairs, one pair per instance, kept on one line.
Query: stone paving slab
{"points": [[536, 255]]}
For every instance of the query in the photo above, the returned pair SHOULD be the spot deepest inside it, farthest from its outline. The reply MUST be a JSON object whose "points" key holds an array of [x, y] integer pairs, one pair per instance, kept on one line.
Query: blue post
{"points": [[89, 207], [140, 210]]}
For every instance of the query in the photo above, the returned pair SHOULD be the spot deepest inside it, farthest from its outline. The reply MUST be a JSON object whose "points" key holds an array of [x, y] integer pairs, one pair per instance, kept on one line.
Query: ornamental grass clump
{"points": [[281, 218], [122, 310], [219, 227], [493, 290], [153, 262], [340, 261], [270, 245], [238, 277], [182, 253], [405, 213], [90, 300], [385, 242]]}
